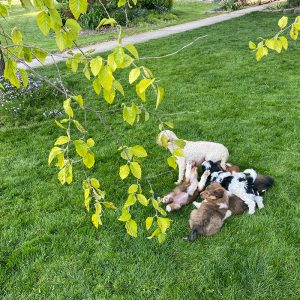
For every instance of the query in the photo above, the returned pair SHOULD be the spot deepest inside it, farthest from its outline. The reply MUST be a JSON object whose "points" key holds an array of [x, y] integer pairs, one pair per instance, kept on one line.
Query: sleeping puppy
{"points": [[183, 194], [209, 217], [209, 167], [194, 152]]}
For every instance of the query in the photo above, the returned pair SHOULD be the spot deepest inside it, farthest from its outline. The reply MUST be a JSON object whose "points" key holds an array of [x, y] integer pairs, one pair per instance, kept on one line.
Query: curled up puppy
{"points": [[209, 217], [194, 152], [183, 194]]}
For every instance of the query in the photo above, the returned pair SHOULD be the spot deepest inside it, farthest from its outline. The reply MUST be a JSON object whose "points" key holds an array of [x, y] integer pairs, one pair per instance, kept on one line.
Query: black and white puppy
{"points": [[241, 185]]}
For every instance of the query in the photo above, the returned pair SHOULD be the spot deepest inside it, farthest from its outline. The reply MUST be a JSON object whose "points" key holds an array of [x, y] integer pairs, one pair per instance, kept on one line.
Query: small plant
{"points": [[231, 5]]}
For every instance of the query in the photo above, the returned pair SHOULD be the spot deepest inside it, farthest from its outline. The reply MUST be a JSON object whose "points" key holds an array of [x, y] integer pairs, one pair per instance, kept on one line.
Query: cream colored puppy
{"points": [[194, 152]]}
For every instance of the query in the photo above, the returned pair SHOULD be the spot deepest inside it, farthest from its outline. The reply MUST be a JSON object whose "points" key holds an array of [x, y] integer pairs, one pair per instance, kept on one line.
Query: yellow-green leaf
{"points": [[78, 126], [160, 95], [131, 227], [81, 148], [124, 171], [149, 222], [90, 142], [163, 224], [178, 152], [119, 55], [87, 203], [131, 48], [252, 45], [16, 36], [54, 152], [96, 65], [130, 200], [139, 151], [62, 140], [284, 42], [155, 233], [161, 238], [136, 169], [24, 76], [129, 115], [95, 183], [79, 100], [134, 75], [96, 216], [109, 95], [109, 205], [97, 86], [89, 160], [172, 162], [283, 22], [294, 33], [125, 216], [78, 7], [133, 189], [44, 22], [39, 54], [68, 108], [142, 199]]}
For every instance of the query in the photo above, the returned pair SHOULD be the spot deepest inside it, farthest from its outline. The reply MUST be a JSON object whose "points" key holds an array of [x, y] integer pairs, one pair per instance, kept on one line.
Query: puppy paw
{"points": [[251, 211], [197, 204], [168, 208]]}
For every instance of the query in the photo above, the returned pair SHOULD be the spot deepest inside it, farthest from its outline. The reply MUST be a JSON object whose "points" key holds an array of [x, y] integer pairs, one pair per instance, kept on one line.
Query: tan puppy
{"points": [[209, 217]]}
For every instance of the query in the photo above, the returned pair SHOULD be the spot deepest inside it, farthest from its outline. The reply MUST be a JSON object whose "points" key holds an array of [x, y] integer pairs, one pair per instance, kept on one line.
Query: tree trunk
{"points": [[2, 62]]}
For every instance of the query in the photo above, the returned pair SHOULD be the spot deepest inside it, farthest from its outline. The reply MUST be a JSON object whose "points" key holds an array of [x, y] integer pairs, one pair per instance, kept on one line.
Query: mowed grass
{"points": [[26, 21], [49, 248]]}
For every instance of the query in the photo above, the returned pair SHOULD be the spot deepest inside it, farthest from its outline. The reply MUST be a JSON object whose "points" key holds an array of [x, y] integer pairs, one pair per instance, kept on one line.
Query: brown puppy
{"points": [[183, 194], [209, 217]]}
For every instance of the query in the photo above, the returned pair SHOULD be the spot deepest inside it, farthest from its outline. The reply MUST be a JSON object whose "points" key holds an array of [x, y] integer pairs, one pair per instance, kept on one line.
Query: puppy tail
{"points": [[193, 236], [262, 183]]}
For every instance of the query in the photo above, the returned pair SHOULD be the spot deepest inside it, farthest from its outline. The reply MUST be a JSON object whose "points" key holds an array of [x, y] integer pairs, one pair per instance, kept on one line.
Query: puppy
{"points": [[194, 152], [183, 194], [209, 217], [209, 167]]}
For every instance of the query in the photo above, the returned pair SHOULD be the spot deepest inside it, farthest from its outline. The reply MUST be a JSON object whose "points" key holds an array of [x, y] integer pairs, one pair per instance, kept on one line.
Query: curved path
{"points": [[155, 34]]}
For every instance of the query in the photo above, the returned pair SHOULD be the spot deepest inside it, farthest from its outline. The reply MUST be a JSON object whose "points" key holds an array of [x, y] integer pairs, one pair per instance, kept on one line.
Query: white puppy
{"points": [[194, 152]]}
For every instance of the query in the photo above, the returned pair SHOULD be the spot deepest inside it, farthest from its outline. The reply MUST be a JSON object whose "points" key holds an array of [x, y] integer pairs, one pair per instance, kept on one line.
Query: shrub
{"points": [[293, 3], [35, 102], [231, 5], [93, 17], [161, 5]]}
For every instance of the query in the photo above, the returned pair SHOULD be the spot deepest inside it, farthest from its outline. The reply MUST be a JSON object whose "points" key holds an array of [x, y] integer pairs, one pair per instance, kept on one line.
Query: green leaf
{"points": [[55, 19], [144, 84], [125, 216], [106, 78], [39, 54], [96, 65], [59, 124], [261, 52], [86, 71], [78, 7], [16, 36], [180, 143], [294, 33], [161, 238], [149, 222], [107, 21], [136, 169], [252, 45], [87, 203], [142, 199], [130, 200], [111, 62], [24, 77], [127, 154], [163, 224], [60, 38], [81, 147], [139, 151], [170, 124], [117, 85], [133, 189], [172, 162], [53, 153], [67, 108], [134, 75], [62, 140], [109, 95], [124, 171], [131, 227], [95, 183], [160, 95], [155, 204], [89, 160], [271, 43], [10, 72], [74, 27], [147, 116], [131, 48], [3, 10], [283, 22], [44, 22]]}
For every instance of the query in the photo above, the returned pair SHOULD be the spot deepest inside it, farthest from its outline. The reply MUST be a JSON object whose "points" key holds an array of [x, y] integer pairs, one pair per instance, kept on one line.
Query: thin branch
{"points": [[174, 53]]}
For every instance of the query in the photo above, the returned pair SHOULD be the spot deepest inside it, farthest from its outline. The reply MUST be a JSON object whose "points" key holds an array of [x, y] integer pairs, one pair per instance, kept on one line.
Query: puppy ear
{"points": [[219, 193], [193, 236]]}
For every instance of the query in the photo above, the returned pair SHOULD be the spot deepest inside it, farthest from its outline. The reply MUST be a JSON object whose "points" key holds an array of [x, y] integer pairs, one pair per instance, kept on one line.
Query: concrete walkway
{"points": [[155, 34]]}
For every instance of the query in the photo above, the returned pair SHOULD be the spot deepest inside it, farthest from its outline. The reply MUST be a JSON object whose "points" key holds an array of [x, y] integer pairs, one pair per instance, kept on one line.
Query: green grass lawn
{"points": [[26, 21], [49, 248]]}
